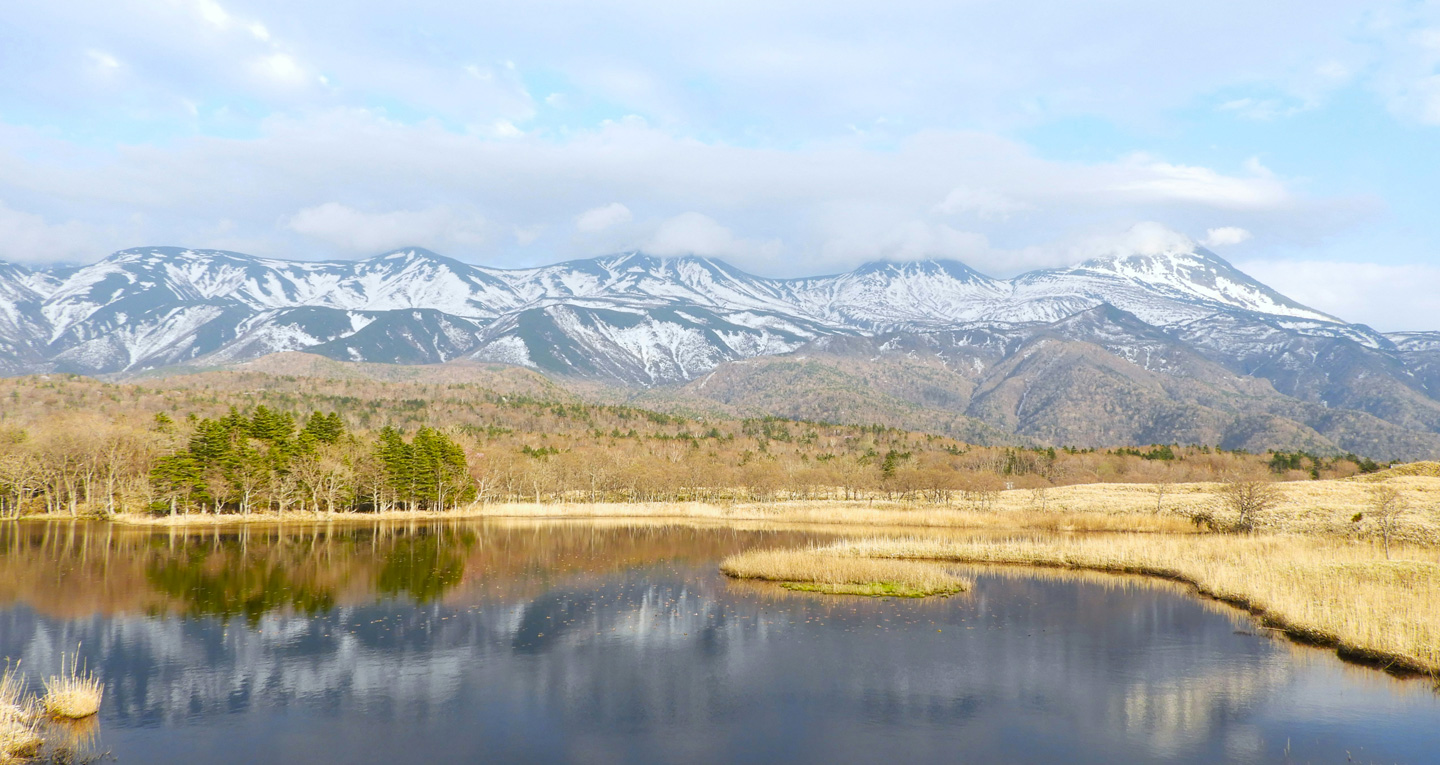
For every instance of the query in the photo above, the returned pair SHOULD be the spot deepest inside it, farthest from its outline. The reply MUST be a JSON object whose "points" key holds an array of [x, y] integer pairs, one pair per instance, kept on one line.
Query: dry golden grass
{"points": [[1430, 469], [813, 570], [12, 694], [30, 727], [19, 742], [831, 512], [19, 739], [1324, 508], [74, 694], [1325, 591]]}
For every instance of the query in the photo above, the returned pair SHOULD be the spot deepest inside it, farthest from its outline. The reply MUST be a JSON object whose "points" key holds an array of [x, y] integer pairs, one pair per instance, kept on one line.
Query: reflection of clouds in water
{"points": [[1176, 714]]}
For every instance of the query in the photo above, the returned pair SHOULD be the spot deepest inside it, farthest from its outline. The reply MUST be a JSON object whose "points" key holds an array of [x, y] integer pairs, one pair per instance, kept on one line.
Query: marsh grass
{"points": [[829, 512], [814, 570], [1335, 508], [51, 729], [19, 742], [1320, 591], [74, 694], [19, 738]]}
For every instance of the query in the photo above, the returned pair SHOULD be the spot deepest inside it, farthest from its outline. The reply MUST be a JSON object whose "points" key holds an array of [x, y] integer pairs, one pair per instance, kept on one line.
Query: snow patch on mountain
{"points": [[628, 316]]}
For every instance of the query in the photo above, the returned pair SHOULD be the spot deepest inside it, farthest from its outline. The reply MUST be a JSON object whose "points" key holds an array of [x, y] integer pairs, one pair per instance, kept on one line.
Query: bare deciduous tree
{"points": [[1248, 500], [1162, 486], [1387, 504], [1039, 496]]}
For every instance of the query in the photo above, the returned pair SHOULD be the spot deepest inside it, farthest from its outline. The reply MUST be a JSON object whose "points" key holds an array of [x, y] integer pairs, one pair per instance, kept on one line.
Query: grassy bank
{"points": [[808, 571], [830, 512], [1327, 592], [1330, 508]]}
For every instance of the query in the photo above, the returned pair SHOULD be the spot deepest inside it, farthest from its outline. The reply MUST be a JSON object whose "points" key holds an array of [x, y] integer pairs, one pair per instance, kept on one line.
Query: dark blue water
{"points": [[577, 643]]}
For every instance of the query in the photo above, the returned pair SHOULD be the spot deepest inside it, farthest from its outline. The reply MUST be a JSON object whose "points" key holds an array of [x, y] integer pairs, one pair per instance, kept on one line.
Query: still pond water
{"points": [[610, 642]]}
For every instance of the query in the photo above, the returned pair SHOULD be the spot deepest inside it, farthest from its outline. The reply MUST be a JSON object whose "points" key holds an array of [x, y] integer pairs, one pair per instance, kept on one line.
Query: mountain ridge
{"points": [[1168, 332]]}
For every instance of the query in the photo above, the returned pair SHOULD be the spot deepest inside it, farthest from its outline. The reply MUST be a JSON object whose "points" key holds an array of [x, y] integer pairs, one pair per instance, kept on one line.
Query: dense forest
{"points": [[237, 442]]}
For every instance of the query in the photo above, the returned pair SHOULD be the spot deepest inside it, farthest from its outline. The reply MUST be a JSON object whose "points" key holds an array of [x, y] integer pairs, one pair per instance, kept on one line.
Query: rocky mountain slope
{"points": [[1175, 346]]}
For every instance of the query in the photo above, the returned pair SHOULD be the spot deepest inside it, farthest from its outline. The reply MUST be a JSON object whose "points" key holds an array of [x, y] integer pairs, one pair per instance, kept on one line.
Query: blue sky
{"points": [[1298, 139]]}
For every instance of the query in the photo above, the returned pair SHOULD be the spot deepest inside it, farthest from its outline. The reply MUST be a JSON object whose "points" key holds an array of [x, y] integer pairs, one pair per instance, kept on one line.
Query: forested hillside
{"points": [[254, 442]]}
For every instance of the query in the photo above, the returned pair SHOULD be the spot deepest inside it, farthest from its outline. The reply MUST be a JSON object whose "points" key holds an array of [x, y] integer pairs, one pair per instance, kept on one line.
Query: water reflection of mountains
{"points": [[617, 628]]}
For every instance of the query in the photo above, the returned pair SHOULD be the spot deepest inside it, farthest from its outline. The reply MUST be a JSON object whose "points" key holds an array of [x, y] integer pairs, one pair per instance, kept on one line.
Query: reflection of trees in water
{"points": [[79, 569], [236, 585], [426, 565]]}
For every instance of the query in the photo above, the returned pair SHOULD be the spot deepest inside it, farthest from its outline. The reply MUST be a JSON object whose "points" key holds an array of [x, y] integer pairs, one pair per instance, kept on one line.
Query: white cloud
{"points": [[281, 68], [1387, 297], [360, 233], [1262, 109], [213, 12], [1147, 238], [1225, 236], [505, 129], [1203, 185], [984, 203], [103, 60], [694, 234], [601, 218], [1406, 72], [916, 240], [28, 238], [528, 235]]}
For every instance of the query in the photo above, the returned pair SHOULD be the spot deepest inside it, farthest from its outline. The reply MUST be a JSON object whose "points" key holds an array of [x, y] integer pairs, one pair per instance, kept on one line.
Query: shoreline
{"points": [[1327, 508], [858, 514], [1389, 623]]}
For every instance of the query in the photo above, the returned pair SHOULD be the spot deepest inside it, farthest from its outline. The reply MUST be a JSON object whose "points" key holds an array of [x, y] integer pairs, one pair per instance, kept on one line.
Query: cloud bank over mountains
{"points": [[789, 141]]}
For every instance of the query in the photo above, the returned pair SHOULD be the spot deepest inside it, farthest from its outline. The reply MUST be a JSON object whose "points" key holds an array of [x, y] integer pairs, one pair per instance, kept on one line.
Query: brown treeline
{"points": [[77, 446]]}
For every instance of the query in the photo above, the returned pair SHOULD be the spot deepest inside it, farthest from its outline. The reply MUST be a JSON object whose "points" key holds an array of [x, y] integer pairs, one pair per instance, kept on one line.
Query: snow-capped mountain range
{"points": [[641, 320], [662, 319]]}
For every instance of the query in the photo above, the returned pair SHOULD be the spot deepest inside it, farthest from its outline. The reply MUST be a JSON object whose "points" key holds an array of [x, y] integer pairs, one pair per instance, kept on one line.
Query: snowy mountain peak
{"points": [[1193, 280], [417, 255], [952, 269], [1169, 259]]}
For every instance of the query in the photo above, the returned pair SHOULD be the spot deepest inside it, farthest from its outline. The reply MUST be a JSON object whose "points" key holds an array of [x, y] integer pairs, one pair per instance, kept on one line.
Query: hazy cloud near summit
{"points": [[792, 212], [351, 231], [603, 217]]}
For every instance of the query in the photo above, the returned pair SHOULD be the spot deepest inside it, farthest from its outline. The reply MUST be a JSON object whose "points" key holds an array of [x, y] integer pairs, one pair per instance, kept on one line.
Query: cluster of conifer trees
{"points": [[269, 462]]}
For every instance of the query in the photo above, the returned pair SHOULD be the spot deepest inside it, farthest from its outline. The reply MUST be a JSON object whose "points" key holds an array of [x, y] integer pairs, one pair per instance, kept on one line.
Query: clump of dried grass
{"points": [[74, 694], [814, 570]]}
